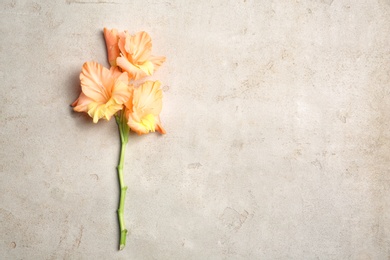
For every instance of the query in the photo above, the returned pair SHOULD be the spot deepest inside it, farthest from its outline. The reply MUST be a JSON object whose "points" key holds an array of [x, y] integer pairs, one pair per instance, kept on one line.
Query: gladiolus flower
{"points": [[135, 55], [104, 91], [143, 108]]}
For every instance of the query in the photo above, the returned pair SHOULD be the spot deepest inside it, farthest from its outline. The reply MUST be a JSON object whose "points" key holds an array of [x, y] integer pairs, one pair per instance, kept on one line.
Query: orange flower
{"points": [[144, 107], [135, 55], [103, 91]]}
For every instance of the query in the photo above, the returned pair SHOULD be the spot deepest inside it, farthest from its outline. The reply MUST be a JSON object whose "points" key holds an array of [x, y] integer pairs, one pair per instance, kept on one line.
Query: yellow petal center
{"points": [[148, 122]]}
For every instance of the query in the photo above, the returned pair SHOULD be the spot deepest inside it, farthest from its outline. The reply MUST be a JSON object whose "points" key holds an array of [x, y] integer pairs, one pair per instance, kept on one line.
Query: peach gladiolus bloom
{"points": [[104, 91], [144, 107], [112, 37], [135, 55]]}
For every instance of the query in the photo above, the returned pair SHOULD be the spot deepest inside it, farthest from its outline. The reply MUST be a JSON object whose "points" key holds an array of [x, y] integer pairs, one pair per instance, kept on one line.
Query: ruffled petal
{"points": [[96, 111], [111, 107], [140, 46], [148, 98], [96, 82]]}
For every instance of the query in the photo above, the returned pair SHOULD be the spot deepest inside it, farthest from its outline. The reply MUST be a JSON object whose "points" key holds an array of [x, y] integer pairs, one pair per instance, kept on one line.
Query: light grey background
{"points": [[277, 115]]}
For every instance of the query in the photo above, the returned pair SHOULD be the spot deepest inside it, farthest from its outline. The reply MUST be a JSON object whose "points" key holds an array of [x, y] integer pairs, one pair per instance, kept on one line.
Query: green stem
{"points": [[124, 134]]}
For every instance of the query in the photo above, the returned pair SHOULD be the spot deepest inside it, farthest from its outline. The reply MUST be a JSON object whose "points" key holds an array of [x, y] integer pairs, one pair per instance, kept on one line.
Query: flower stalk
{"points": [[117, 92], [124, 135]]}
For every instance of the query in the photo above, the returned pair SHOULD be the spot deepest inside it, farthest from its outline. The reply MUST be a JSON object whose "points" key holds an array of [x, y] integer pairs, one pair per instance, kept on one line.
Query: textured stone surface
{"points": [[278, 139]]}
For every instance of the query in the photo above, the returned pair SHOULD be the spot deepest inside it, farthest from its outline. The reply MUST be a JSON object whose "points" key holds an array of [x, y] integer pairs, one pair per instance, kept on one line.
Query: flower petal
{"points": [[157, 61], [147, 69], [159, 127], [148, 98], [96, 82], [121, 92], [127, 66], [142, 126], [81, 103], [140, 46], [122, 43], [116, 73], [111, 37]]}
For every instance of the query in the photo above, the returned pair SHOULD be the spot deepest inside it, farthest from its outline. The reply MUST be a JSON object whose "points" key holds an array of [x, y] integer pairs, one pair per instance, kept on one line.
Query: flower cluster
{"points": [[104, 91], [122, 92]]}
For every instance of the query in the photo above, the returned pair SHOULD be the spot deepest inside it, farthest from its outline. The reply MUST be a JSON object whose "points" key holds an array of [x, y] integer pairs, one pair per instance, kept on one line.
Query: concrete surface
{"points": [[278, 139]]}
